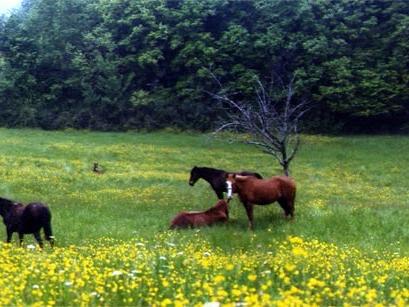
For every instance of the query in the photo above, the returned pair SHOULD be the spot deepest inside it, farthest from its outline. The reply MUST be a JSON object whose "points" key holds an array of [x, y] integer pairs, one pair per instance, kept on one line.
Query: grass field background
{"points": [[352, 200]]}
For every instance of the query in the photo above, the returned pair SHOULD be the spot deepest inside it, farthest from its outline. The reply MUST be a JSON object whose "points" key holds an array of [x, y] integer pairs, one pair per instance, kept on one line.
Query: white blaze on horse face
{"points": [[229, 189]]}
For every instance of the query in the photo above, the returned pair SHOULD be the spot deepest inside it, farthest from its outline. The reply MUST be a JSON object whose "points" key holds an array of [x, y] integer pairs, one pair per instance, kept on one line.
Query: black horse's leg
{"points": [[290, 209], [249, 211], [219, 194], [20, 237], [9, 235], [38, 238], [51, 240], [49, 234]]}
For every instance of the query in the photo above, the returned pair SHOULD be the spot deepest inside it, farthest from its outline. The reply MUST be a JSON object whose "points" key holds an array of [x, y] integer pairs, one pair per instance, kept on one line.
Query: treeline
{"points": [[126, 64]]}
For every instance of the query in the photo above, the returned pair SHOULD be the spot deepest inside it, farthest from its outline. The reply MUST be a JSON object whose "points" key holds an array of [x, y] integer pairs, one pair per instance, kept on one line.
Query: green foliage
{"points": [[127, 64]]}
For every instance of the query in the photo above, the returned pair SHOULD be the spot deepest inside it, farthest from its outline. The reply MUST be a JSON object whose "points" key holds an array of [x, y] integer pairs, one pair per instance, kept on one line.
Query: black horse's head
{"points": [[5, 205], [194, 176]]}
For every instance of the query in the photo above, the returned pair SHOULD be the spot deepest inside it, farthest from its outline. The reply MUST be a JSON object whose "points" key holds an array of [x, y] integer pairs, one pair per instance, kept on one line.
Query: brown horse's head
{"points": [[222, 203], [232, 180], [230, 185], [230, 177]]}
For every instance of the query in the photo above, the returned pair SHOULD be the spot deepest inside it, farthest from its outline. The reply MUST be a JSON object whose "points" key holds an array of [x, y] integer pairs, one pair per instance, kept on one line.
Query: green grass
{"points": [[347, 244], [352, 191]]}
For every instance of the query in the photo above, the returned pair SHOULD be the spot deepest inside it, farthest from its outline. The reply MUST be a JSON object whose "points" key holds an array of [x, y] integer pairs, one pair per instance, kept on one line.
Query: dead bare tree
{"points": [[271, 121]]}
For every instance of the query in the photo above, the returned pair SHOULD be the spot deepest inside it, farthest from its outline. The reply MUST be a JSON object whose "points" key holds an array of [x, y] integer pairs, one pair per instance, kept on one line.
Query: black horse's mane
{"points": [[209, 169], [5, 205], [5, 201]]}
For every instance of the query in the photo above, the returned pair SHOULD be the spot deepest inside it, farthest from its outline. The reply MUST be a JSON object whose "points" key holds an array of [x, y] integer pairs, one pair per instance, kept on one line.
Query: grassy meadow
{"points": [[348, 244]]}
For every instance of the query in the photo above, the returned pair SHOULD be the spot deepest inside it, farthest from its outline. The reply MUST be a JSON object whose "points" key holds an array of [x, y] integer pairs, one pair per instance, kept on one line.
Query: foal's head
{"points": [[194, 176], [222, 204]]}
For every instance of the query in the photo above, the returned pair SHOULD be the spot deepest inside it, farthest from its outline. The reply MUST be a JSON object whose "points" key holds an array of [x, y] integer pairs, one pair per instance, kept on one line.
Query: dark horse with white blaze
{"points": [[254, 191], [216, 178], [26, 220]]}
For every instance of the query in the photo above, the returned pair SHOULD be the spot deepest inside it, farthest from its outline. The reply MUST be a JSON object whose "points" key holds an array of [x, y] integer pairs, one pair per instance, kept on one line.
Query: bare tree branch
{"points": [[271, 122]]}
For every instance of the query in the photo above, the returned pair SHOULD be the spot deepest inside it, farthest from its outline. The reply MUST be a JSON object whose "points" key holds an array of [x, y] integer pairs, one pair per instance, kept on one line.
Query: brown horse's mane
{"points": [[241, 177], [219, 204]]}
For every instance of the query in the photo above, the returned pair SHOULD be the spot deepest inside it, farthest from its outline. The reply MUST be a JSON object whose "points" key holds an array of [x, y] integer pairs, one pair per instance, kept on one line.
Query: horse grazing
{"points": [[26, 219], [254, 191], [219, 213], [216, 178]]}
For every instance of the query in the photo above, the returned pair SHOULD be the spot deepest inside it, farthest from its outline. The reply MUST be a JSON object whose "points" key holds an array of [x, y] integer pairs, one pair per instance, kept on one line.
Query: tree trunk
{"points": [[286, 168]]}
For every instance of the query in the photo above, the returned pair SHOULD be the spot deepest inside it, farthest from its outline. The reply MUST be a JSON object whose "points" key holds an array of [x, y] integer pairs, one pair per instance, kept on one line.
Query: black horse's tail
{"points": [[48, 232]]}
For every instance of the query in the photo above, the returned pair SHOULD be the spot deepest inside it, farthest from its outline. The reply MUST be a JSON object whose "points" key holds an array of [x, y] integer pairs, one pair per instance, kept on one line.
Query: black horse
{"points": [[216, 178], [26, 219]]}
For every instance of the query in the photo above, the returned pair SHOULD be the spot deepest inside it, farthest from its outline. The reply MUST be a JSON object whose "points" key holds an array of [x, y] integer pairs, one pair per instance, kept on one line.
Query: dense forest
{"points": [[144, 64]]}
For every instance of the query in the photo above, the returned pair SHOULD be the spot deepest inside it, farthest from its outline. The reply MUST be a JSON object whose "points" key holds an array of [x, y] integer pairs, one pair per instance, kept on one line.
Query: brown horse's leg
{"points": [[288, 207], [291, 202], [249, 211]]}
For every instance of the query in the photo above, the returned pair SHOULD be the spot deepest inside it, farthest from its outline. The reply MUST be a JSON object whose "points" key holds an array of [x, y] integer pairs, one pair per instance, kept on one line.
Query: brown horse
{"points": [[219, 213], [253, 191]]}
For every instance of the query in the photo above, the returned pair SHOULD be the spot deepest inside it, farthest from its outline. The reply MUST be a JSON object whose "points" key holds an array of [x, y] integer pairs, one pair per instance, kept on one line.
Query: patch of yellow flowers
{"points": [[167, 272]]}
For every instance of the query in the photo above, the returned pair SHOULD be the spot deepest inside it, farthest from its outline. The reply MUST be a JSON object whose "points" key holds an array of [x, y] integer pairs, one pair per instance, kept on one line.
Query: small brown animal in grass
{"points": [[219, 213], [97, 168], [254, 191]]}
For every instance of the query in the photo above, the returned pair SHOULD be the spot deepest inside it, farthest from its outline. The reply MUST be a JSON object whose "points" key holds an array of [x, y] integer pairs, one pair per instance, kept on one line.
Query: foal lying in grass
{"points": [[219, 213]]}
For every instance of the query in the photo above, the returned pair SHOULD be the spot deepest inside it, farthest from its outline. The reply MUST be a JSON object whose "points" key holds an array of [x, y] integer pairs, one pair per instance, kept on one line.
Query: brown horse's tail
{"points": [[257, 175], [292, 198]]}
